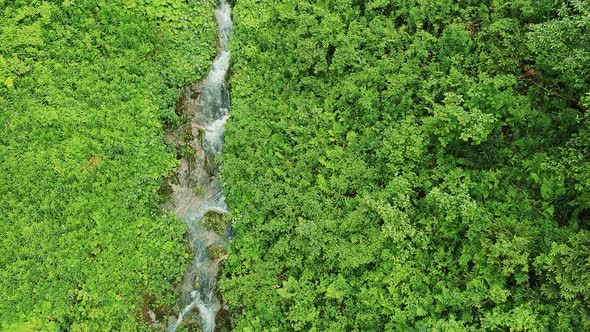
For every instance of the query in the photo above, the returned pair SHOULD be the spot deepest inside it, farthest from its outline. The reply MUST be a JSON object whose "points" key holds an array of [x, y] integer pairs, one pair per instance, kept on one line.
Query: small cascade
{"points": [[197, 195]]}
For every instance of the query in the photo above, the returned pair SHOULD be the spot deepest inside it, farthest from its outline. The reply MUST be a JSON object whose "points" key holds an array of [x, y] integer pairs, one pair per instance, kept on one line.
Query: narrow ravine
{"points": [[197, 197]]}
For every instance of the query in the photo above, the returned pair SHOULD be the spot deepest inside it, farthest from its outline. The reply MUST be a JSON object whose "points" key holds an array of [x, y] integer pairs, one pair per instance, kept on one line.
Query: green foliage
{"points": [[409, 165], [84, 89]]}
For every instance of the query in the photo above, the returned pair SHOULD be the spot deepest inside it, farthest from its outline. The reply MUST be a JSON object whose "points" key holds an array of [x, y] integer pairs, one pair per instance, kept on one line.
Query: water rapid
{"points": [[197, 195]]}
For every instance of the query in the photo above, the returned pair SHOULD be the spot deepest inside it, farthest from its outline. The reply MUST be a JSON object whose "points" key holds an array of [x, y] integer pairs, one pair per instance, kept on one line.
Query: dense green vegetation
{"points": [[84, 89], [409, 165]]}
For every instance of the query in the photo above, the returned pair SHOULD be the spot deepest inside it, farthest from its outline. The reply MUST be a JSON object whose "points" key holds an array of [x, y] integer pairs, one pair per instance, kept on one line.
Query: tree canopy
{"points": [[409, 165], [85, 89]]}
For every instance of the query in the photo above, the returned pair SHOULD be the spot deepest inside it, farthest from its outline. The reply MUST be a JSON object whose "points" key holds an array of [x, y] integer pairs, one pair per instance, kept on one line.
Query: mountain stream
{"points": [[197, 197]]}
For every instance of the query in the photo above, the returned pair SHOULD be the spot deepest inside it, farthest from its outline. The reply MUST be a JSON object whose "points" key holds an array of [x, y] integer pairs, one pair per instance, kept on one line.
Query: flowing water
{"points": [[197, 192]]}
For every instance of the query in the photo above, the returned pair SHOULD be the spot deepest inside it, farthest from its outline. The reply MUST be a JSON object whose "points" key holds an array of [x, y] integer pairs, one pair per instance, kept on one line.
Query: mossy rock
{"points": [[181, 110], [201, 135], [223, 320], [216, 252], [198, 191], [166, 189], [188, 133], [188, 153], [214, 221], [210, 164]]}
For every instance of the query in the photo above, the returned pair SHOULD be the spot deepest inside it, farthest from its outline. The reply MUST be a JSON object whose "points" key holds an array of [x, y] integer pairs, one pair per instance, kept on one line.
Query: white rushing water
{"points": [[199, 282]]}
